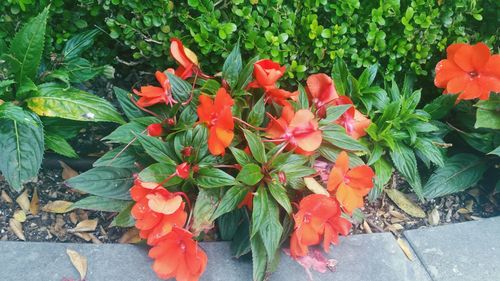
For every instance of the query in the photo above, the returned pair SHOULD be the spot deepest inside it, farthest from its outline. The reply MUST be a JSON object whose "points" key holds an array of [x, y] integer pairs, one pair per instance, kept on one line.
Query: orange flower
{"points": [[266, 72], [299, 129], [247, 201], [321, 91], [354, 122], [350, 185], [219, 119], [150, 95], [178, 255], [319, 218], [156, 210], [280, 96], [187, 60], [469, 70]]}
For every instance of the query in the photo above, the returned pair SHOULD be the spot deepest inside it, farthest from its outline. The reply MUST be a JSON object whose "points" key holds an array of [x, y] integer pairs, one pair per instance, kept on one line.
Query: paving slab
{"points": [[459, 252], [371, 257]]}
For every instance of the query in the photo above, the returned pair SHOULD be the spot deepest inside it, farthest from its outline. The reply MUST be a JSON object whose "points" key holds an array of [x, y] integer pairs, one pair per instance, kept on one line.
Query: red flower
{"points": [[182, 170], [280, 96], [321, 91], [247, 201], [156, 210], [187, 60], [219, 119], [350, 185], [150, 95], [319, 218], [354, 122], [469, 70], [156, 130], [178, 255], [266, 72], [299, 129]]}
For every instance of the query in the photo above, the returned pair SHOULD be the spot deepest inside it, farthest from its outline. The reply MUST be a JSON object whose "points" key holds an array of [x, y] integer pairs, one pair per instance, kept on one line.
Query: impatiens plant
{"points": [[39, 106], [228, 157]]}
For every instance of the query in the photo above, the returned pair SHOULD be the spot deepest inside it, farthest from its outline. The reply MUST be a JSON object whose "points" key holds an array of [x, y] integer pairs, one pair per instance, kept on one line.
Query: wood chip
{"points": [[406, 249], [463, 211], [315, 186], [84, 235], [24, 201], [405, 204], [67, 171], [94, 239], [433, 217], [20, 216], [79, 262], [5, 197], [367, 227], [17, 228], [73, 218], [131, 236], [397, 214], [83, 226], [58, 207], [35, 203]]}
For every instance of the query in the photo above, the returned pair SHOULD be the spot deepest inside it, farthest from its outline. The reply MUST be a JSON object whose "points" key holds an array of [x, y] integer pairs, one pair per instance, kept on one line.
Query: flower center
{"points": [[307, 217], [473, 74], [182, 246]]}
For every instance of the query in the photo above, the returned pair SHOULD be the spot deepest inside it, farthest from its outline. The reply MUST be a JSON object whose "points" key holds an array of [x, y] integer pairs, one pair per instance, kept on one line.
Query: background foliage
{"points": [[401, 36]]}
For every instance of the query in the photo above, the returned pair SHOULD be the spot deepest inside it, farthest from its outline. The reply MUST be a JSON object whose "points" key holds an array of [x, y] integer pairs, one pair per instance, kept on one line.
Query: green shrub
{"points": [[402, 36]]}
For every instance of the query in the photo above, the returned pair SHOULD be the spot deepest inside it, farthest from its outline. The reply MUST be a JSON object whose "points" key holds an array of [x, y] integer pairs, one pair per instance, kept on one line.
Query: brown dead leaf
{"points": [[469, 204], [58, 207], [433, 217], [315, 186], [24, 201], [67, 171], [17, 229], [130, 237], [406, 249], [367, 227], [20, 216], [83, 226], [79, 262], [397, 214], [84, 235], [405, 204], [35, 203], [463, 211], [73, 218], [5, 197], [94, 239]]}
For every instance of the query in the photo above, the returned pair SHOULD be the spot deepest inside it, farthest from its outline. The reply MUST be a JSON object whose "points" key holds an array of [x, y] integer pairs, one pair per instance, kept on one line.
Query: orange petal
{"points": [[481, 55], [472, 91], [302, 118], [321, 87], [225, 118], [311, 142], [464, 58], [222, 99], [162, 79], [151, 92], [224, 136], [162, 205], [348, 198], [458, 84], [215, 146], [445, 71], [177, 51], [361, 177], [492, 67]]}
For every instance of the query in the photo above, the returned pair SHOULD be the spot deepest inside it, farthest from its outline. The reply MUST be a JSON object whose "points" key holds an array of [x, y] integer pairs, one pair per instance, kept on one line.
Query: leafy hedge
{"points": [[400, 35]]}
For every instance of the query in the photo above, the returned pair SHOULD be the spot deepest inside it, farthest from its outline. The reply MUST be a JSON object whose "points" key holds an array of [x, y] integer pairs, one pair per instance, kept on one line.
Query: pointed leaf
{"points": [[109, 182]]}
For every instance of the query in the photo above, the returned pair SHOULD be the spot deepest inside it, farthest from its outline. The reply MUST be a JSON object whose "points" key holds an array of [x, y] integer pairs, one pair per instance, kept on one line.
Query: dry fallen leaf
{"points": [[6, 197], [397, 214], [24, 201], [17, 229], [406, 249], [79, 262], [58, 206], [86, 225], [315, 186], [84, 235], [94, 239], [405, 204], [130, 237], [367, 227], [35, 203], [20, 216], [73, 218], [463, 211], [67, 171], [469, 204], [433, 217]]}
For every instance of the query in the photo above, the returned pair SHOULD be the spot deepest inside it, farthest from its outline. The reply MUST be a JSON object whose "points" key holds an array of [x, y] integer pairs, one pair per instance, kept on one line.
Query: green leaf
{"points": [[26, 47], [278, 192], [241, 241], [155, 148], [496, 151], [228, 224], [203, 211], [367, 77], [432, 152], [241, 157], [256, 115], [98, 203], [339, 138], [231, 199], [127, 132], [260, 211], [124, 218], [303, 102], [128, 107], [259, 257], [441, 106], [271, 230], [55, 101], [208, 177], [460, 172], [256, 146], [250, 174], [334, 112], [246, 74], [21, 149], [181, 90], [80, 70], [158, 173], [11, 111], [120, 157], [488, 113], [340, 74], [232, 66], [331, 153], [79, 43], [25, 89], [59, 145], [109, 182], [383, 173], [405, 162]]}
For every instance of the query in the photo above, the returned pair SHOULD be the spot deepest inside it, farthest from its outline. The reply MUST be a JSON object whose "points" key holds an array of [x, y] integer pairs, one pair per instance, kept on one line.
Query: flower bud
{"points": [[182, 170], [187, 151], [282, 177], [155, 130], [170, 121]]}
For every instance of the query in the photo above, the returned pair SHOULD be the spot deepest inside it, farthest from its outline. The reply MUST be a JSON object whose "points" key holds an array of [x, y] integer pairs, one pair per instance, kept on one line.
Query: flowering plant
{"points": [[228, 157]]}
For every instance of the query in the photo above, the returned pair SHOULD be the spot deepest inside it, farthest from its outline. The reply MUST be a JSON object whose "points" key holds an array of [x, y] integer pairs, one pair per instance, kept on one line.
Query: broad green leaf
{"points": [[128, 107], [405, 162], [98, 203], [241, 241], [210, 86], [250, 174], [441, 106], [228, 224], [278, 192], [208, 177], [241, 157], [256, 146], [488, 113], [340, 74], [232, 66], [127, 133], [80, 70], [155, 148], [367, 77], [246, 74], [496, 151], [120, 157], [259, 258], [256, 115], [331, 153], [79, 43], [158, 173], [21, 149], [11, 111], [55, 101], [459, 172], [383, 173], [26, 89], [428, 149], [124, 218], [26, 47], [303, 102], [203, 211], [231, 199], [271, 230], [109, 182], [334, 112], [59, 145], [340, 139], [181, 90], [260, 211]]}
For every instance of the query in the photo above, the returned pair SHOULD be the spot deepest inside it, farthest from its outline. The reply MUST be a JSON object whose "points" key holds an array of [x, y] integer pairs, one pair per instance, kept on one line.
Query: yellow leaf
{"points": [[24, 201], [67, 171], [17, 229], [405, 204], [404, 246], [20, 216], [433, 217], [79, 262], [315, 186], [58, 206], [35, 203], [85, 225], [6, 197]]}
